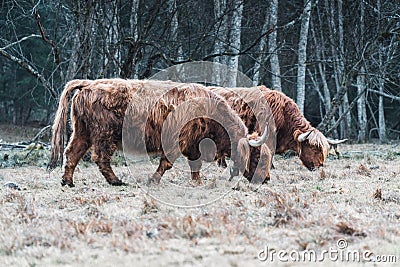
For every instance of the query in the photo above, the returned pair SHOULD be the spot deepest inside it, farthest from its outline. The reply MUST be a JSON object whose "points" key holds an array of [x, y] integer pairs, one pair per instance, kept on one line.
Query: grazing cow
{"points": [[293, 131], [99, 108]]}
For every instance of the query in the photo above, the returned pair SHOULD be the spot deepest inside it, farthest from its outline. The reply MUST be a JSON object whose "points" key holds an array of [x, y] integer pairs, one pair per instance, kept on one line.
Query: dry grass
{"points": [[356, 197]]}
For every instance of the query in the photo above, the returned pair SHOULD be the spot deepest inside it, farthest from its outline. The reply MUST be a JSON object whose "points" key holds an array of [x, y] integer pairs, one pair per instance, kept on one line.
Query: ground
{"points": [[354, 202]]}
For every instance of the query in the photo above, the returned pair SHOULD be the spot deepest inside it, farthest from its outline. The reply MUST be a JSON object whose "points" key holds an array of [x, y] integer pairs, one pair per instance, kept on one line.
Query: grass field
{"points": [[354, 200]]}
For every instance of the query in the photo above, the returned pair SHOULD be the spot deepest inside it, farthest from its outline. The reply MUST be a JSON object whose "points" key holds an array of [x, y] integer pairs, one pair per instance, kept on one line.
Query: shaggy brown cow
{"points": [[97, 114], [293, 131]]}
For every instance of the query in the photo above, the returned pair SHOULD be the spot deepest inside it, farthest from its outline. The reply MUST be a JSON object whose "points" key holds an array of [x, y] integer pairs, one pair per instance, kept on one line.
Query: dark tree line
{"points": [[338, 59]]}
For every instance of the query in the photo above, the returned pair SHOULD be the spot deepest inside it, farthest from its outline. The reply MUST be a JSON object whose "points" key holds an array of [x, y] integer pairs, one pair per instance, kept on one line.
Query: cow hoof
{"points": [[65, 182], [154, 179], [118, 183], [195, 182], [266, 180], [223, 165], [234, 172]]}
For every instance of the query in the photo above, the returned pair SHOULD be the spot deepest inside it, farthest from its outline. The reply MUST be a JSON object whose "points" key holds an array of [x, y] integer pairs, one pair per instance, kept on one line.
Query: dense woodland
{"points": [[338, 59]]}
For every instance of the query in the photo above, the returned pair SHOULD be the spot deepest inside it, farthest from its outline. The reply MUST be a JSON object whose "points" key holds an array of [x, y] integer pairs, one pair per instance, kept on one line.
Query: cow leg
{"points": [[164, 165], [222, 162], [234, 171], [195, 166], [102, 153], [75, 150]]}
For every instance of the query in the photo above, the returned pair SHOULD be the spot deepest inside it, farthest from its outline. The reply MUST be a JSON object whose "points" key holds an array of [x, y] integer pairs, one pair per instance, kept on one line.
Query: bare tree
{"points": [[381, 83], [261, 57], [220, 35], [361, 106], [361, 85], [234, 42], [110, 28], [319, 55], [302, 55], [273, 47], [270, 22], [341, 70], [337, 50], [349, 45]]}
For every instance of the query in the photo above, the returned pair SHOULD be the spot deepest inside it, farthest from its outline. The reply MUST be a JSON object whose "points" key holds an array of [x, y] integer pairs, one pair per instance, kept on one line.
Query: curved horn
{"points": [[303, 137], [261, 140], [336, 141]]}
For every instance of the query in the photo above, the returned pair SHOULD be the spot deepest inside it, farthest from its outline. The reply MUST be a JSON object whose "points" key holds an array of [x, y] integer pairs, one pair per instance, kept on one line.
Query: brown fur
{"points": [[97, 114], [289, 124]]}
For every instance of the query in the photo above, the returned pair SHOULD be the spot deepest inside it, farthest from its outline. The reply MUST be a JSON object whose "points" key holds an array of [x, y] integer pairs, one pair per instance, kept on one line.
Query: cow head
{"points": [[313, 147], [254, 158]]}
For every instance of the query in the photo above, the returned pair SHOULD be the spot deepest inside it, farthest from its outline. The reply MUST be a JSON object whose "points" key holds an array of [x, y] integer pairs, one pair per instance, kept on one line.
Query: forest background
{"points": [[339, 60]]}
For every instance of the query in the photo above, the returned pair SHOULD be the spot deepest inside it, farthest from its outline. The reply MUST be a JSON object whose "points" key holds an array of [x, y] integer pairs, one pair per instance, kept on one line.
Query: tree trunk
{"points": [[85, 25], [221, 36], [361, 86], [73, 66], [270, 22], [320, 57], [234, 42], [338, 64], [381, 84], [361, 107], [302, 55], [15, 114], [261, 57], [347, 121], [114, 51], [133, 23], [381, 113], [111, 55], [177, 45], [273, 47]]}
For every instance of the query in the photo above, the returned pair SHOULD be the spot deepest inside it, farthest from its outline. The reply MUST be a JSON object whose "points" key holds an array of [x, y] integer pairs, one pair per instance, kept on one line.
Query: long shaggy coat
{"points": [[102, 110]]}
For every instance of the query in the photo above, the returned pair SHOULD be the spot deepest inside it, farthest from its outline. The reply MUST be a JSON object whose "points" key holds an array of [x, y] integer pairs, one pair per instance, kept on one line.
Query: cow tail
{"points": [[60, 122]]}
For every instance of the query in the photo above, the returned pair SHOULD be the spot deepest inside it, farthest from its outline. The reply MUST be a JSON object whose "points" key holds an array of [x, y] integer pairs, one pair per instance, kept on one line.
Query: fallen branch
{"points": [[6, 147], [40, 133], [23, 146], [35, 140]]}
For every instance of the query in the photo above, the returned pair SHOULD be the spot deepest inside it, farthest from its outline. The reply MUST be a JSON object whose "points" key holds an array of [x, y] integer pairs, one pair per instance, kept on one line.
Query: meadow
{"points": [[353, 200]]}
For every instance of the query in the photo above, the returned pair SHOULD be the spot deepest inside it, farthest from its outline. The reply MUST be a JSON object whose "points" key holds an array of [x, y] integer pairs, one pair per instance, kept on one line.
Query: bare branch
{"points": [[31, 70], [229, 53], [397, 98], [342, 116], [20, 41], [45, 38]]}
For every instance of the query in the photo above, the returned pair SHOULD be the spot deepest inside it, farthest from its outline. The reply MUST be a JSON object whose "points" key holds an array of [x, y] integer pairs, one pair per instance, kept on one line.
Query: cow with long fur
{"points": [[293, 130], [98, 110]]}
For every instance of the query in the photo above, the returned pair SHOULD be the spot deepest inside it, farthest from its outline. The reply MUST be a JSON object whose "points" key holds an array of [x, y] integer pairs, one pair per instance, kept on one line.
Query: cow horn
{"points": [[336, 141], [261, 140], [303, 137]]}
